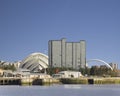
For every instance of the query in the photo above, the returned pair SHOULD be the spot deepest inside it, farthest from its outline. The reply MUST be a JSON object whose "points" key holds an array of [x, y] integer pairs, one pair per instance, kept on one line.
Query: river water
{"points": [[61, 90]]}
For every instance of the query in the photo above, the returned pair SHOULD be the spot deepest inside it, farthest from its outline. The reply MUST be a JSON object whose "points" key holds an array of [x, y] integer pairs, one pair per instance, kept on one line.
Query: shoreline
{"points": [[48, 81], [91, 80]]}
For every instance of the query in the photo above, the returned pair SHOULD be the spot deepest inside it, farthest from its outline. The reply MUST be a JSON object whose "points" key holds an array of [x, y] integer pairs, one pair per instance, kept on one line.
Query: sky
{"points": [[26, 26]]}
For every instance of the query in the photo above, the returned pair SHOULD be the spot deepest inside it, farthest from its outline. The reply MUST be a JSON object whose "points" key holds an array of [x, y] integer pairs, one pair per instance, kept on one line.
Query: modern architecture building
{"points": [[67, 54], [35, 62]]}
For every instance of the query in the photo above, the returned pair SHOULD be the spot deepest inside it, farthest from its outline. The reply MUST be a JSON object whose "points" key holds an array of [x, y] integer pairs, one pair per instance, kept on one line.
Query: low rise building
{"points": [[67, 74], [1, 72]]}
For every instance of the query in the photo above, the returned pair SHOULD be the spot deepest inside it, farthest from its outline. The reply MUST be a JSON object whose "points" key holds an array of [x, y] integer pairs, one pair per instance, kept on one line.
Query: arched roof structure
{"points": [[35, 62], [98, 60]]}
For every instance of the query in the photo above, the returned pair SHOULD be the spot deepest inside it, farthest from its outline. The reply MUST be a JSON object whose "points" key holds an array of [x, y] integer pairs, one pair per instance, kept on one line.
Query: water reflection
{"points": [[61, 90], [72, 86]]}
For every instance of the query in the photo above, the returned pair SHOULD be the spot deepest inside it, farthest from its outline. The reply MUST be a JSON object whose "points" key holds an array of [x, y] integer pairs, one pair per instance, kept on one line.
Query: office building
{"points": [[67, 54]]}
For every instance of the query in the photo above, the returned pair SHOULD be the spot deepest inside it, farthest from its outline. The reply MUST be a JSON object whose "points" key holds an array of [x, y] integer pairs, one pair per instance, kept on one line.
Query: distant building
{"points": [[1, 72], [4, 63], [67, 54], [17, 64], [114, 65]]}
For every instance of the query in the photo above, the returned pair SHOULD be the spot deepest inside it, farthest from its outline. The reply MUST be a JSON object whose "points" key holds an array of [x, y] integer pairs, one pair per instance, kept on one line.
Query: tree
{"points": [[8, 67], [94, 70], [85, 71]]}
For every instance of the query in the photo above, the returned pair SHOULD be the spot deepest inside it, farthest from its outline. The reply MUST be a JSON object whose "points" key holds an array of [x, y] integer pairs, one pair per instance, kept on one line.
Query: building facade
{"points": [[114, 65], [67, 54], [35, 62]]}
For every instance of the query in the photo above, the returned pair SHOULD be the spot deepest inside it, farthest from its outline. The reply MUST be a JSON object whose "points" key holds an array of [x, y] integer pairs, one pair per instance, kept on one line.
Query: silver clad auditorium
{"points": [[67, 54]]}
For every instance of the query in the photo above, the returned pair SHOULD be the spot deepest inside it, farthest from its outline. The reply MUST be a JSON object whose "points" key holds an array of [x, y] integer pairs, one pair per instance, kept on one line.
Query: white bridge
{"points": [[98, 60]]}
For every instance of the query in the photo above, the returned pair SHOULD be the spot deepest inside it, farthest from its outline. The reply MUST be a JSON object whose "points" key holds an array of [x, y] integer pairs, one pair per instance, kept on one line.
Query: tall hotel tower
{"points": [[67, 54]]}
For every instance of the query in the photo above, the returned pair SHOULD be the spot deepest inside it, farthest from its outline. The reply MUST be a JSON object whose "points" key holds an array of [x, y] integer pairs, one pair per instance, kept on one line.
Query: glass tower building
{"points": [[67, 54]]}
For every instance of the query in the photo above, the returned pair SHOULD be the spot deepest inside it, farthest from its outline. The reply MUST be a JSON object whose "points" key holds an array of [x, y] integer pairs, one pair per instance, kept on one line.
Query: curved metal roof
{"points": [[35, 62]]}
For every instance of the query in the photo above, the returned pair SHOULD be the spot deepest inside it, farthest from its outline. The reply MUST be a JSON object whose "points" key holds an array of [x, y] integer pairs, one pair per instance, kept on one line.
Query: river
{"points": [[61, 90]]}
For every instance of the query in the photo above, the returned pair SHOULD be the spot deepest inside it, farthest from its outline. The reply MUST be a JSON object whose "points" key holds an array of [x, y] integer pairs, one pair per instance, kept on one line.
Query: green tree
{"points": [[94, 70], [85, 71], [8, 67]]}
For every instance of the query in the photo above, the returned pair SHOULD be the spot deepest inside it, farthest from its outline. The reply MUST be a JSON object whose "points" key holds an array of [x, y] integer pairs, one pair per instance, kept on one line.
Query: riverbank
{"points": [[27, 81], [91, 80], [44, 81]]}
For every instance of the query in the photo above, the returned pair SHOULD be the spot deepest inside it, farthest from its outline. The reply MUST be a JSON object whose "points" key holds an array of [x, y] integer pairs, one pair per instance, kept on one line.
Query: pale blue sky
{"points": [[26, 26]]}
